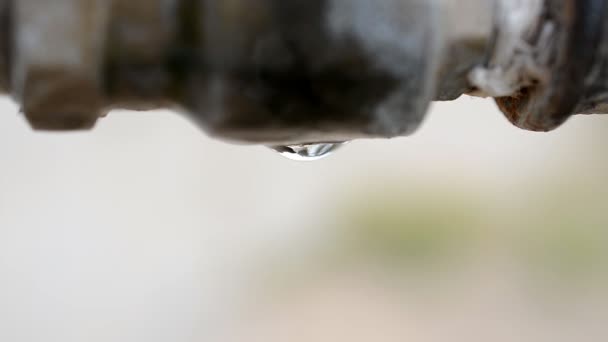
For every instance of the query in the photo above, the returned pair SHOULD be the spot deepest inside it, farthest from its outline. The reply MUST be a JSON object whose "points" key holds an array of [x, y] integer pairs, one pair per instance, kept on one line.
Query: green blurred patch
{"points": [[561, 231], [401, 225], [566, 231]]}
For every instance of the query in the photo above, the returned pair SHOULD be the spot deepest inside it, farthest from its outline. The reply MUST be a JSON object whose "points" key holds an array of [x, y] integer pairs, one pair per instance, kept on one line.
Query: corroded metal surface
{"points": [[301, 71], [551, 101]]}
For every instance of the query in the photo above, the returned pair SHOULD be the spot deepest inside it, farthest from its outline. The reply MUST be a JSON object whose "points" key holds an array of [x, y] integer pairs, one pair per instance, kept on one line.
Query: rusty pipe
{"points": [[290, 72]]}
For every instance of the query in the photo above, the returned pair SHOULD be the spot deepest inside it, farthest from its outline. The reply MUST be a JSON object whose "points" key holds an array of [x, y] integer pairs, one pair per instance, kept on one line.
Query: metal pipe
{"points": [[285, 72]]}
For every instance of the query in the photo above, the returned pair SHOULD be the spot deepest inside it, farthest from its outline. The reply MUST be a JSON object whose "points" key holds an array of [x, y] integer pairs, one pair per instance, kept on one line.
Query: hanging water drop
{"points": [[307, 152]]}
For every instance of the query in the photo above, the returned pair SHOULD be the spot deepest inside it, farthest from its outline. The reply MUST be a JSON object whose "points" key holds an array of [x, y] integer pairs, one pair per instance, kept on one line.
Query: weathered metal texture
{"points": [[551, 101], [265, 71], [314, 70], [291, 71], [57, 57], [595, 100], [6, 36], [467, 27]]}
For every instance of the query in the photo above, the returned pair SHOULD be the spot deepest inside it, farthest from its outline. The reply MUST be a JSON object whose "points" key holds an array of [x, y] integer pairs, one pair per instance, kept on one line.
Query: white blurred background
{"points": [[147, 230]]}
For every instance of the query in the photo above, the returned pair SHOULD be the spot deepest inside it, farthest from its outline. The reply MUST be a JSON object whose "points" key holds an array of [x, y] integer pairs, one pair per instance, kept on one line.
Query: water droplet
{"points": [[307, 152]]}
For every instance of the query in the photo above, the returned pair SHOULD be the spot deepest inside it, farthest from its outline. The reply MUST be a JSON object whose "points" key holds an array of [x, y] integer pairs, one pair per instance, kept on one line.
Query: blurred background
{"points": [[147, 230]]}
